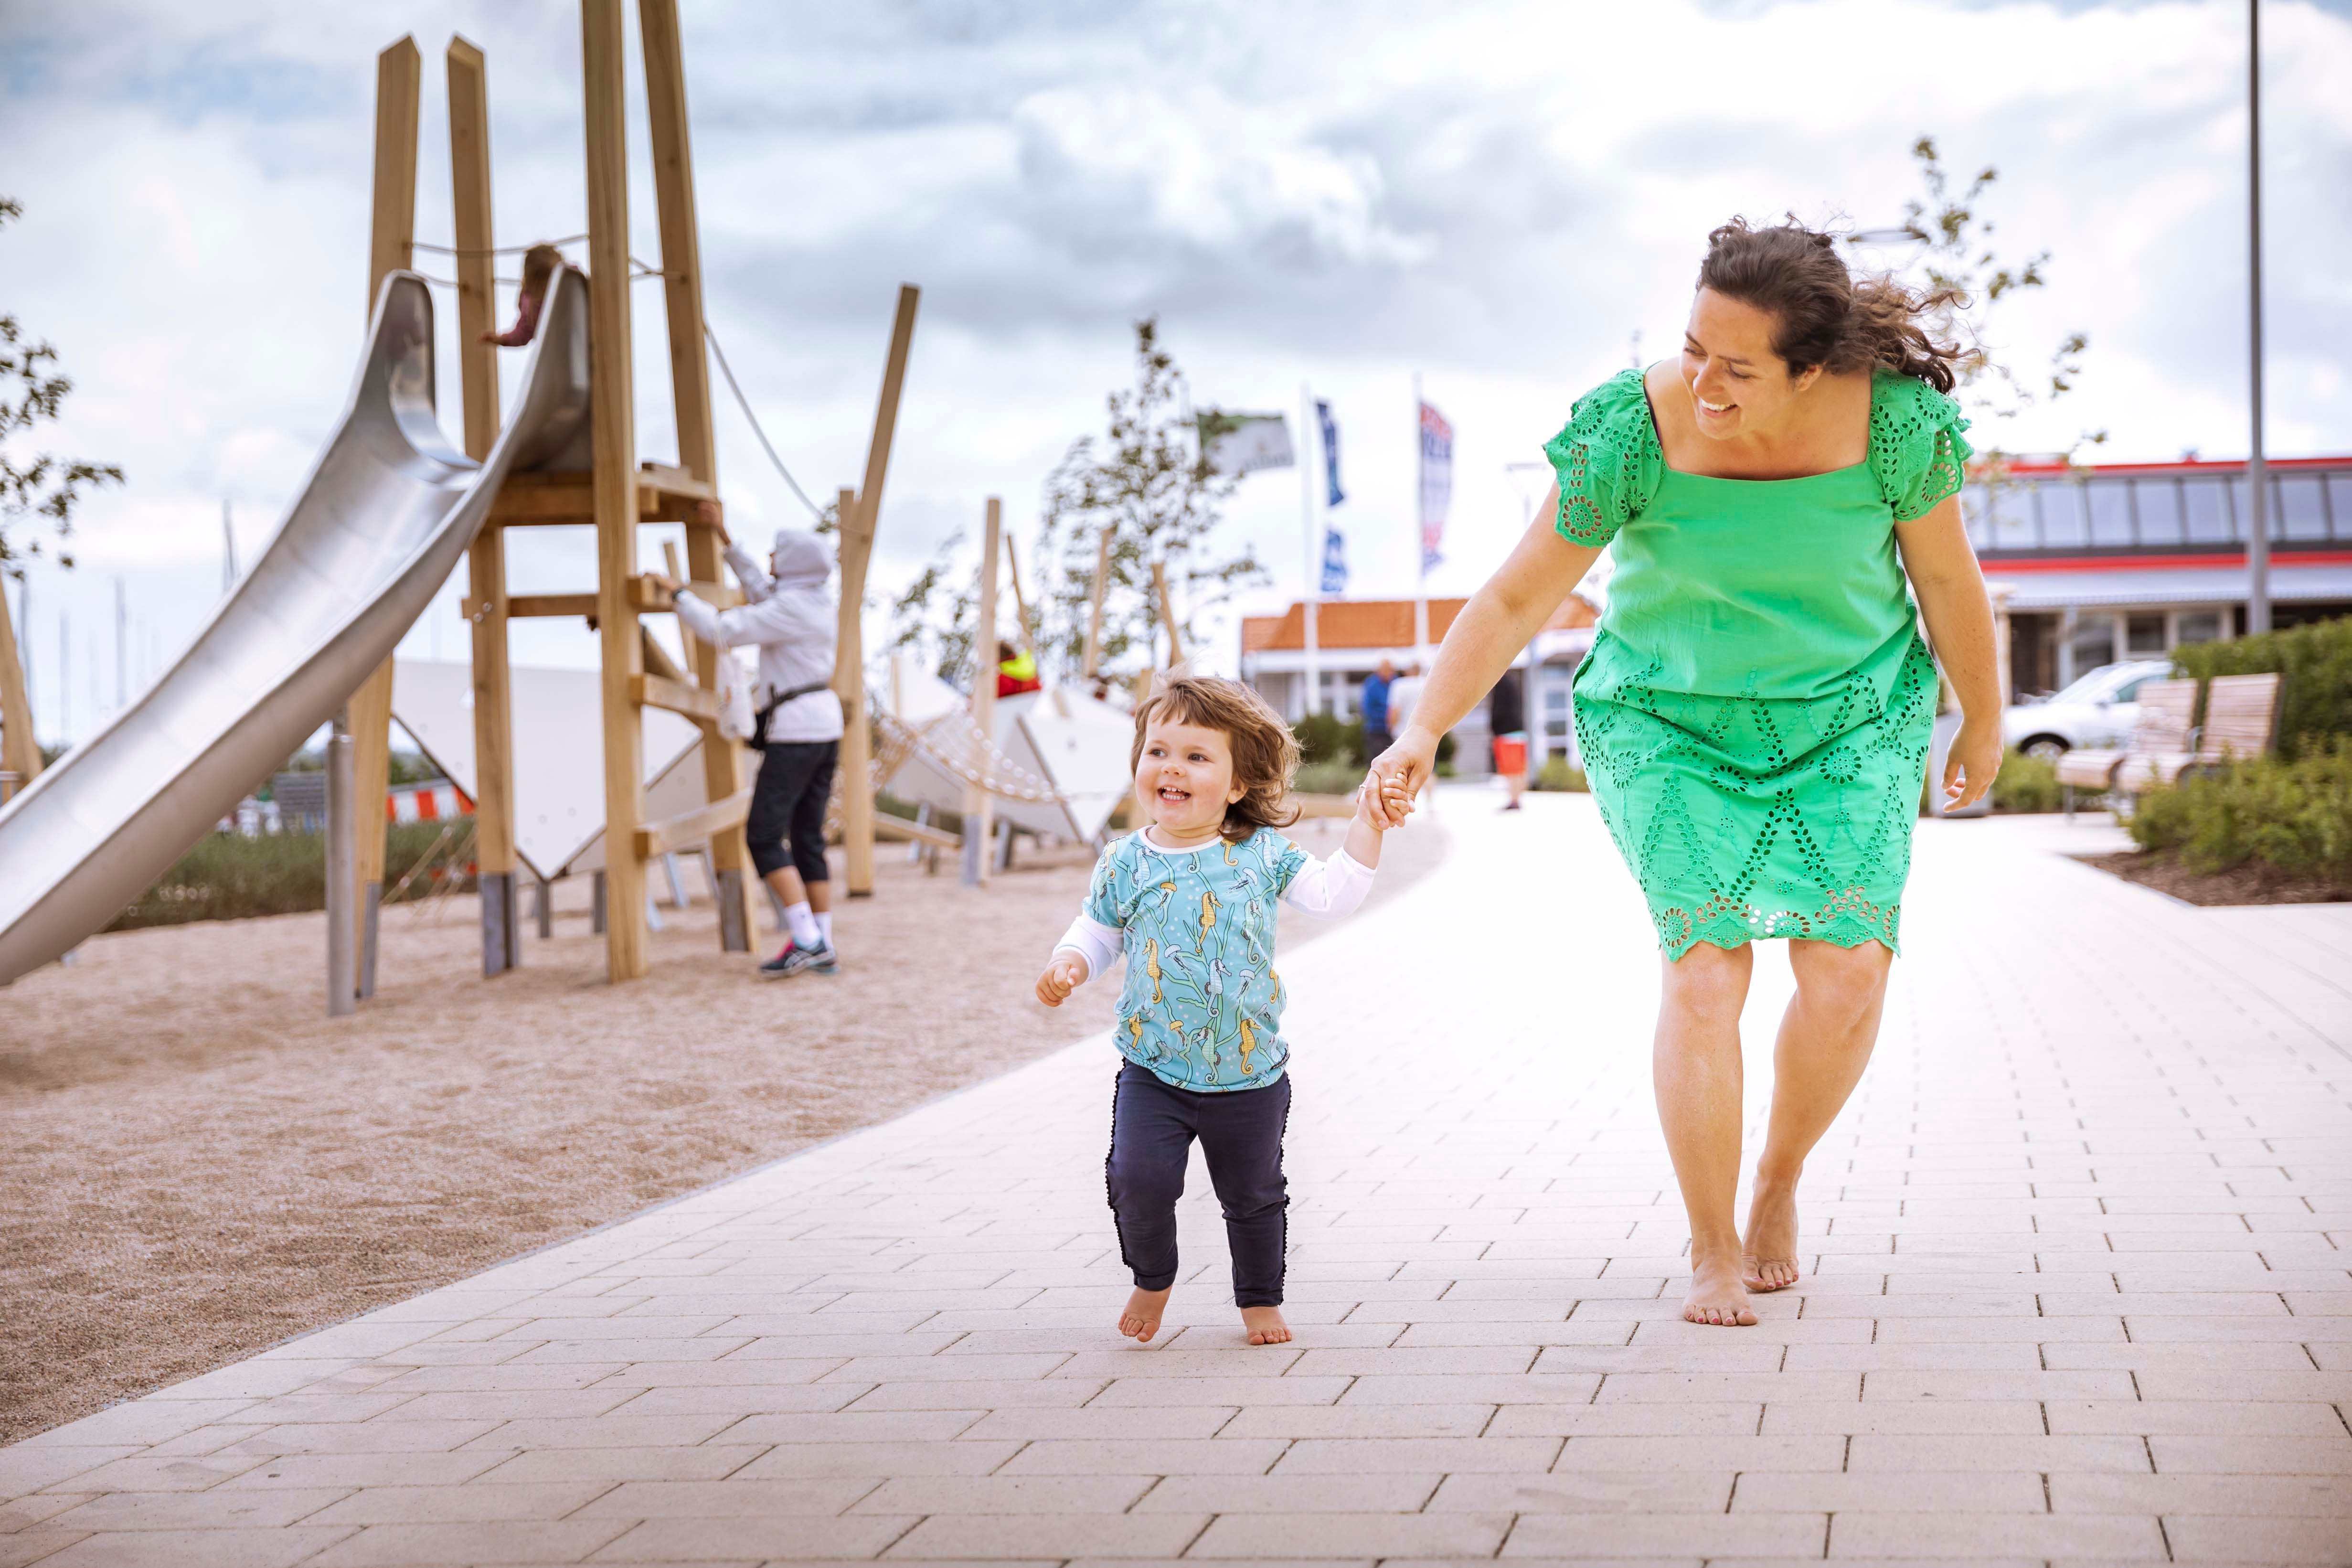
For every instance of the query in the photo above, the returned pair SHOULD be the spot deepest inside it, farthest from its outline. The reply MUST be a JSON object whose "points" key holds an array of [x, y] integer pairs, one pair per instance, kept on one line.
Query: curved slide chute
{"points": [[375, 532]]}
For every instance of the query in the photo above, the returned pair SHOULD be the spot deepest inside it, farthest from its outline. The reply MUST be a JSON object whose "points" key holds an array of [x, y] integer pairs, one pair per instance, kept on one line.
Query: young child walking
{"points": [[1189, 900]]}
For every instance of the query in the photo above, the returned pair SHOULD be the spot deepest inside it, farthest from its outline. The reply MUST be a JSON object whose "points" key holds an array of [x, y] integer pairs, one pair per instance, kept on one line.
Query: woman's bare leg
{"points": [[1694, 1066], [1825, 1042]]}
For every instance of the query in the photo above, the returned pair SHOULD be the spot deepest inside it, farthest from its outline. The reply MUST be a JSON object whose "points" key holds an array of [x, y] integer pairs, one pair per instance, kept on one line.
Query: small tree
{"points": [[938, 614], [1956, 255], [39, 486], [1148, 482]]}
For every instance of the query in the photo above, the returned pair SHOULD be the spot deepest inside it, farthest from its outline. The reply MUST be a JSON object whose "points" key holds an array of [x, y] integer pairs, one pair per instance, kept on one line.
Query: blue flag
{"points": [[1330, 455], [1335, 560]]}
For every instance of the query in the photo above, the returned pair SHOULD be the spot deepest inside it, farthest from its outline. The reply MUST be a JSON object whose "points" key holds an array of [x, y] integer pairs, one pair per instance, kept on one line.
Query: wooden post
{"points": [[392, 234], [1020, 602], [20, 753], [849, 666], [612, 422], [849, 680], [1168, 614], [486, 572], [698, 452], [978, 813], [1095, 611]]}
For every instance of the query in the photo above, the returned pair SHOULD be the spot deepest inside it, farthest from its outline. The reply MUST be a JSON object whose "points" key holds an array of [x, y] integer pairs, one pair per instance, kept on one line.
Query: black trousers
{"points": [[1152, 1125], [788, 803]]}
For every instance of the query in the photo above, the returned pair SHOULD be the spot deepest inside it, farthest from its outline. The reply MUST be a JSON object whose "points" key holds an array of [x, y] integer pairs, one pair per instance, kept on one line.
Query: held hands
{"points": [[1397, 777], [1972, 763], [1065, 975]]}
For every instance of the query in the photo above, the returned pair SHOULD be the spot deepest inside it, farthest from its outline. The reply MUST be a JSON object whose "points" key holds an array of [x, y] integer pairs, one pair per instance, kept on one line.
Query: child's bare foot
{"points": [[1717, 1297], [1767, 1254], [1141, 1319], [1265, 1326]]}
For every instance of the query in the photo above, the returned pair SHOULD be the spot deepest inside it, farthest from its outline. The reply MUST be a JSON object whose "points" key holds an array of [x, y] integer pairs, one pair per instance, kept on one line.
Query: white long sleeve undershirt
{"points": [[1328, 889]]}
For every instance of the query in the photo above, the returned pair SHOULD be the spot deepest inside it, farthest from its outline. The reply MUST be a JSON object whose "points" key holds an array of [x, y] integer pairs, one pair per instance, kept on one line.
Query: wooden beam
{"points": [[568, 499], [20, 751], [612, 419], [486, 571], [677, 696], [1095, 609], [1168, 614], [901, 830], [978, 803], [1020, 601], [692, 828], [849, 684], [392, 239], [658, 658]]}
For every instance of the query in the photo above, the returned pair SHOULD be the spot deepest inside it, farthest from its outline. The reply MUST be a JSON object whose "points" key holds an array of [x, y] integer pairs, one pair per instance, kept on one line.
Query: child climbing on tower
{"points": [[1190, 899]]}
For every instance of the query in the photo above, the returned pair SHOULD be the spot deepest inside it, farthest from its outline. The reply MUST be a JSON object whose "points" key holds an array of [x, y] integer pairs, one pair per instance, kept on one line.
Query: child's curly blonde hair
{"points": [[1265, 753]]}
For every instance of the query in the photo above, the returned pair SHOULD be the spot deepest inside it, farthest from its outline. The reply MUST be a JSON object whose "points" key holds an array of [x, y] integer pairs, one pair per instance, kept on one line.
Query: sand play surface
{"points": [[200, 1163]]}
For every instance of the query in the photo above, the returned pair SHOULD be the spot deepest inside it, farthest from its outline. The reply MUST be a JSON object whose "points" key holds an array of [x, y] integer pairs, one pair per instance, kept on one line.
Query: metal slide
{"points": [[374, 534]]}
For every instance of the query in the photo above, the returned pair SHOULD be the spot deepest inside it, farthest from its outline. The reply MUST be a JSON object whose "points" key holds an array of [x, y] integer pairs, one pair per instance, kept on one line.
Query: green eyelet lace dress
{"points": [[1754, 714]]}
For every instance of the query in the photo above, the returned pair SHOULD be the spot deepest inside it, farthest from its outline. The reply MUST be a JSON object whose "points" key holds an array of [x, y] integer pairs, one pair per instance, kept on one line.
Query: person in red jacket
{"points": [[1015, 671]]}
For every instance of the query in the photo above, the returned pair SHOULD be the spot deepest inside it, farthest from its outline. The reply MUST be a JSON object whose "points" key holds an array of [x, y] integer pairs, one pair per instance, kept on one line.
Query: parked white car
{"points": [[2098, 709]]}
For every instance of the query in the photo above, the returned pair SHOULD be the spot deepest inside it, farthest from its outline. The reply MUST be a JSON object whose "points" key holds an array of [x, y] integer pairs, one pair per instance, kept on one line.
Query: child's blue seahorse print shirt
{"points": [[1202, 1006]]}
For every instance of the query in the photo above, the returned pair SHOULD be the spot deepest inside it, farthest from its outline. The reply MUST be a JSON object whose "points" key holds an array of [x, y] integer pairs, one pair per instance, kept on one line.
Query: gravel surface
{"points": [[200, 1163]]}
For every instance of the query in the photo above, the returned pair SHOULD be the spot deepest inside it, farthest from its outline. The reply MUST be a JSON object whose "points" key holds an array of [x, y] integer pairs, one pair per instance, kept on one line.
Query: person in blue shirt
{"points": [[1189, 901], [1375, 709]]}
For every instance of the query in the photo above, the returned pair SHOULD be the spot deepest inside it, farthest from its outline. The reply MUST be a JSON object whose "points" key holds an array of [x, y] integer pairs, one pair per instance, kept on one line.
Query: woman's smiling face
{"points": [[1739, 385]]}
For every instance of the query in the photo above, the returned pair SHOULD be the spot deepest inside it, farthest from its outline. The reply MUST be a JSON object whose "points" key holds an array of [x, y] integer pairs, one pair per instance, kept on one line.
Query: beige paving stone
{"points": [[1629, 1418], [26, 1547], [1175, 1423], [303, 1471], [1968, 1537], [24, 1469], [1910, 1453], [480, 1501], [387, 1434], [2203, 1538], [1067, 1535], [218, 1509], [263, 1548], [701, 1463], [1815, 1491], [878, 1459], [1936, 1417], [604, 1432], [1346, 1455], [1586, 1491], [2241, 1496], [1763, 1535], [1269, 1536], [1359, 1421], [142, 1474], [1024, 1494], [2251, 1455], [500, 1541], [1698, 1452]]}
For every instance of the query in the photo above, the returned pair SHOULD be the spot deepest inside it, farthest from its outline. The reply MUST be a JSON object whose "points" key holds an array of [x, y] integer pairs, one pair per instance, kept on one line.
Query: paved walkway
{"points": [[2077, 1291]]}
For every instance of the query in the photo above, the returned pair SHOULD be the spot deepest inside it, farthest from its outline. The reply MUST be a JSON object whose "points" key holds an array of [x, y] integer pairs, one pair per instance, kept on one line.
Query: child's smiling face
{"points": [[1185, 778]]}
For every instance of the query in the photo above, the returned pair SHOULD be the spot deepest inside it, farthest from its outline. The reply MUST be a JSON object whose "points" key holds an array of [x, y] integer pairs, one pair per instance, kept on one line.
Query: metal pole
{"points": [[2258, 527], [1310, 590], [342, 858]]}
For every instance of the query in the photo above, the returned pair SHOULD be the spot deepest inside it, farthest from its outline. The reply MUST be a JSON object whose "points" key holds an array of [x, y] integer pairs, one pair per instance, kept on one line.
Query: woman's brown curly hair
{"points": [[1265, 753], [1827, 316]]}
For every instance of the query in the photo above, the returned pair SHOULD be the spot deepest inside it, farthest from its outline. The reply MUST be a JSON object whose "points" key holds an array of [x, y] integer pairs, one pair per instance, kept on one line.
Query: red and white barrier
{"points": [[426, 802]]}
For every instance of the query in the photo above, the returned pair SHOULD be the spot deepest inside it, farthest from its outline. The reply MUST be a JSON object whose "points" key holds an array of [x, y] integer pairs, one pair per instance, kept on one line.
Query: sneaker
{"points": [[797, 958]]}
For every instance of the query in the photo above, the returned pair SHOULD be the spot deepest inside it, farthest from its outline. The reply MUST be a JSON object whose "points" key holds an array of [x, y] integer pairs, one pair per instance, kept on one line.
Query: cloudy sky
{"points": [[1505, 199]]}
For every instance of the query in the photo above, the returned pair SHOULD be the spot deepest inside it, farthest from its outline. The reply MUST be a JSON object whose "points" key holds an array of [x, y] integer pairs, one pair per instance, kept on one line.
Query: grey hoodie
{"points": [[792, 620]]}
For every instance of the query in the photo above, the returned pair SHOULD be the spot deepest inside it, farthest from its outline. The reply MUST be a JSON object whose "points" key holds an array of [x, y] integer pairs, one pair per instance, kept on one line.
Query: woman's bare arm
{"points": [[1944, 574], [1488, 634]]}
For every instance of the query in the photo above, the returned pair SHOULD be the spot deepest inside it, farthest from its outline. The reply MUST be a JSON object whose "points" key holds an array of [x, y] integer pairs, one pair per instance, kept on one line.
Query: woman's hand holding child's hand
{"points": [[1065, 975]]}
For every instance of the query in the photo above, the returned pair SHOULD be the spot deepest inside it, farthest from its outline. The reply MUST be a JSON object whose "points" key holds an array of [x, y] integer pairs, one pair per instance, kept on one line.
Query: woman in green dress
{"points": [[1754, 714]]}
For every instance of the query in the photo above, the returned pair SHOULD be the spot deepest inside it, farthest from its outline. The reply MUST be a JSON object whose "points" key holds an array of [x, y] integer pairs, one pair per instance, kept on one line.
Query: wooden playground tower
{"points": [[614, 496]]}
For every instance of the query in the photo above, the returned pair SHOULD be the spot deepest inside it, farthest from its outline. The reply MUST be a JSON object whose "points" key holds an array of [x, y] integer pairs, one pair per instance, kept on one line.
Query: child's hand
{"points": [[1394, 803], [1065, 975]]}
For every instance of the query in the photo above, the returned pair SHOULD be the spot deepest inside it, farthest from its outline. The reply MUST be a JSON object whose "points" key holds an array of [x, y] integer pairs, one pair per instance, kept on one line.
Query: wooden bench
{"points": [[2162, 728], [2241, 722]]}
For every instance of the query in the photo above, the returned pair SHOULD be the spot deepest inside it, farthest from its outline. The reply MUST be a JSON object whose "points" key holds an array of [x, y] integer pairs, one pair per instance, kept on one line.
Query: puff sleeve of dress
{"points": [[1608, 460], [1915, 446]]}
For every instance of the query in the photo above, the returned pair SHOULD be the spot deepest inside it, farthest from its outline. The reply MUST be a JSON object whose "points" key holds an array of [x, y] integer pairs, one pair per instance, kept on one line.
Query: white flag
{"points": [[1239, 444]]}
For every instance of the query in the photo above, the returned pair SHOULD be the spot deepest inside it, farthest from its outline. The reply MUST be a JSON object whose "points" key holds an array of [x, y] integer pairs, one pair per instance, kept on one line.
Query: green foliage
{"points": [[1325, 738], [1557, 776], [1150, 486], [229, 877], [41, 486], [1336, 777], [2030, 785], [2290, 815], [2315, 665], [1957, 260]]}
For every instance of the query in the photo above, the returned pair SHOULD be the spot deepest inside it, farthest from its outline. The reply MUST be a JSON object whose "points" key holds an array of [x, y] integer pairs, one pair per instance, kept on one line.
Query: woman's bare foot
{"points": [[1717, 1297], [1265, 1326], [1768, 1255], [1141, 1319]]}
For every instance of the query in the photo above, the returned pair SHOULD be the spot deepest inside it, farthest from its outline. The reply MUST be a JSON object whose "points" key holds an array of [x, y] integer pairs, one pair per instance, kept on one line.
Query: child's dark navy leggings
{"points": [[1152, 1126]]}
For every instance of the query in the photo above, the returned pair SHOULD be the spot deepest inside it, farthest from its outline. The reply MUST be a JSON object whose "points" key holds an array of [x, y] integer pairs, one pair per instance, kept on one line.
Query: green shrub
{"points": [[1329, 778], [2315, 665], [2030, 785], [229, 877], [1327, 738], [2292, 815], [1556, 774]]}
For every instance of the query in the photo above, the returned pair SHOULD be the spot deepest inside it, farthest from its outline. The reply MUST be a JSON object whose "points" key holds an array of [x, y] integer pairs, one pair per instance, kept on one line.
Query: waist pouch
{"points": [[758, 739]]}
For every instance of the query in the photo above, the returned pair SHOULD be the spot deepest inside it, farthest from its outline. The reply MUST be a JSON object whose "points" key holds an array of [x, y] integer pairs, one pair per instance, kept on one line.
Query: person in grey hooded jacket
{"points": [[789, 616]]}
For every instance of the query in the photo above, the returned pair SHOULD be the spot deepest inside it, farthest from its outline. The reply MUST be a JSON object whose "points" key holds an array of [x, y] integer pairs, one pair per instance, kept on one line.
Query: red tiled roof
{"points": [[1375, 623]]}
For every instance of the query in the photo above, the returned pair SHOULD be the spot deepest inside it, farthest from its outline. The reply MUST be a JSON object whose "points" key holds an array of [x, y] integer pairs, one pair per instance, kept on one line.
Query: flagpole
{"points": [[1420, 554], [1312, 586]]}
